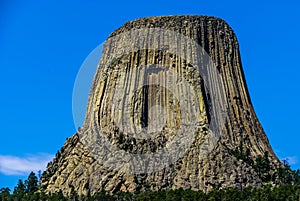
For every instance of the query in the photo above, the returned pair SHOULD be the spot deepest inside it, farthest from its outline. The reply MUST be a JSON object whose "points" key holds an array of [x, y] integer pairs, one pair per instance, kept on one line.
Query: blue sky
{"points": [[43, 44]]}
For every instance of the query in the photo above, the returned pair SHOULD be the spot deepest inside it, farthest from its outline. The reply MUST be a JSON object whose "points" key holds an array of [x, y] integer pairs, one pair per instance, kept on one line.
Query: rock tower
{"points": [[134, 108]]}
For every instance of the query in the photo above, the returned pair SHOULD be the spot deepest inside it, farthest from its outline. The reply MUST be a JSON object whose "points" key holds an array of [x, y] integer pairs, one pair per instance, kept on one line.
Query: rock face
{"points": [[81, 167]]}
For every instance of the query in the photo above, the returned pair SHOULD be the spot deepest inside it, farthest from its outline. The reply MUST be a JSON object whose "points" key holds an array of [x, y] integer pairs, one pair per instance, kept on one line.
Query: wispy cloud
{"points": [[292, 160], [13, 165]]}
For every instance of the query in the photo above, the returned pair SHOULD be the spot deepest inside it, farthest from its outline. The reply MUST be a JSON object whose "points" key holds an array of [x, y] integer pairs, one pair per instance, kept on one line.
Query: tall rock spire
{"points": [[168, 108]]}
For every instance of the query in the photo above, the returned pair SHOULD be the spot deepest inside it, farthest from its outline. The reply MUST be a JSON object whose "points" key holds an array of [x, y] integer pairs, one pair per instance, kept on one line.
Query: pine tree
{"points": [[4, 194], [19, 190], [31, 183]]}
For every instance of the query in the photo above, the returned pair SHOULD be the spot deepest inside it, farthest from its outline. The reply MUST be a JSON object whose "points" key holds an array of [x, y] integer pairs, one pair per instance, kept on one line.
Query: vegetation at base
{"points": [[262, 166], [288, 189], [267, 193]]}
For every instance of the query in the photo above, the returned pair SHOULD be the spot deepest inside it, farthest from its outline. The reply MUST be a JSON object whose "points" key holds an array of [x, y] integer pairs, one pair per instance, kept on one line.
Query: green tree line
{"points": [[287, 188]]}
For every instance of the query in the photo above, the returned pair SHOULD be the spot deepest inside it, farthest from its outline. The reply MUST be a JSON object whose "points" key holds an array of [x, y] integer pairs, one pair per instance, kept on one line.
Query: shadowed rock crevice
{"points": [[154, 106]]}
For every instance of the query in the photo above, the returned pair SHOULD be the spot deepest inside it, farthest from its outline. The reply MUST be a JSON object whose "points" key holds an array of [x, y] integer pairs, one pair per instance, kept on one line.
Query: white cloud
{"points": [[292, 160], [13, 165]]}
